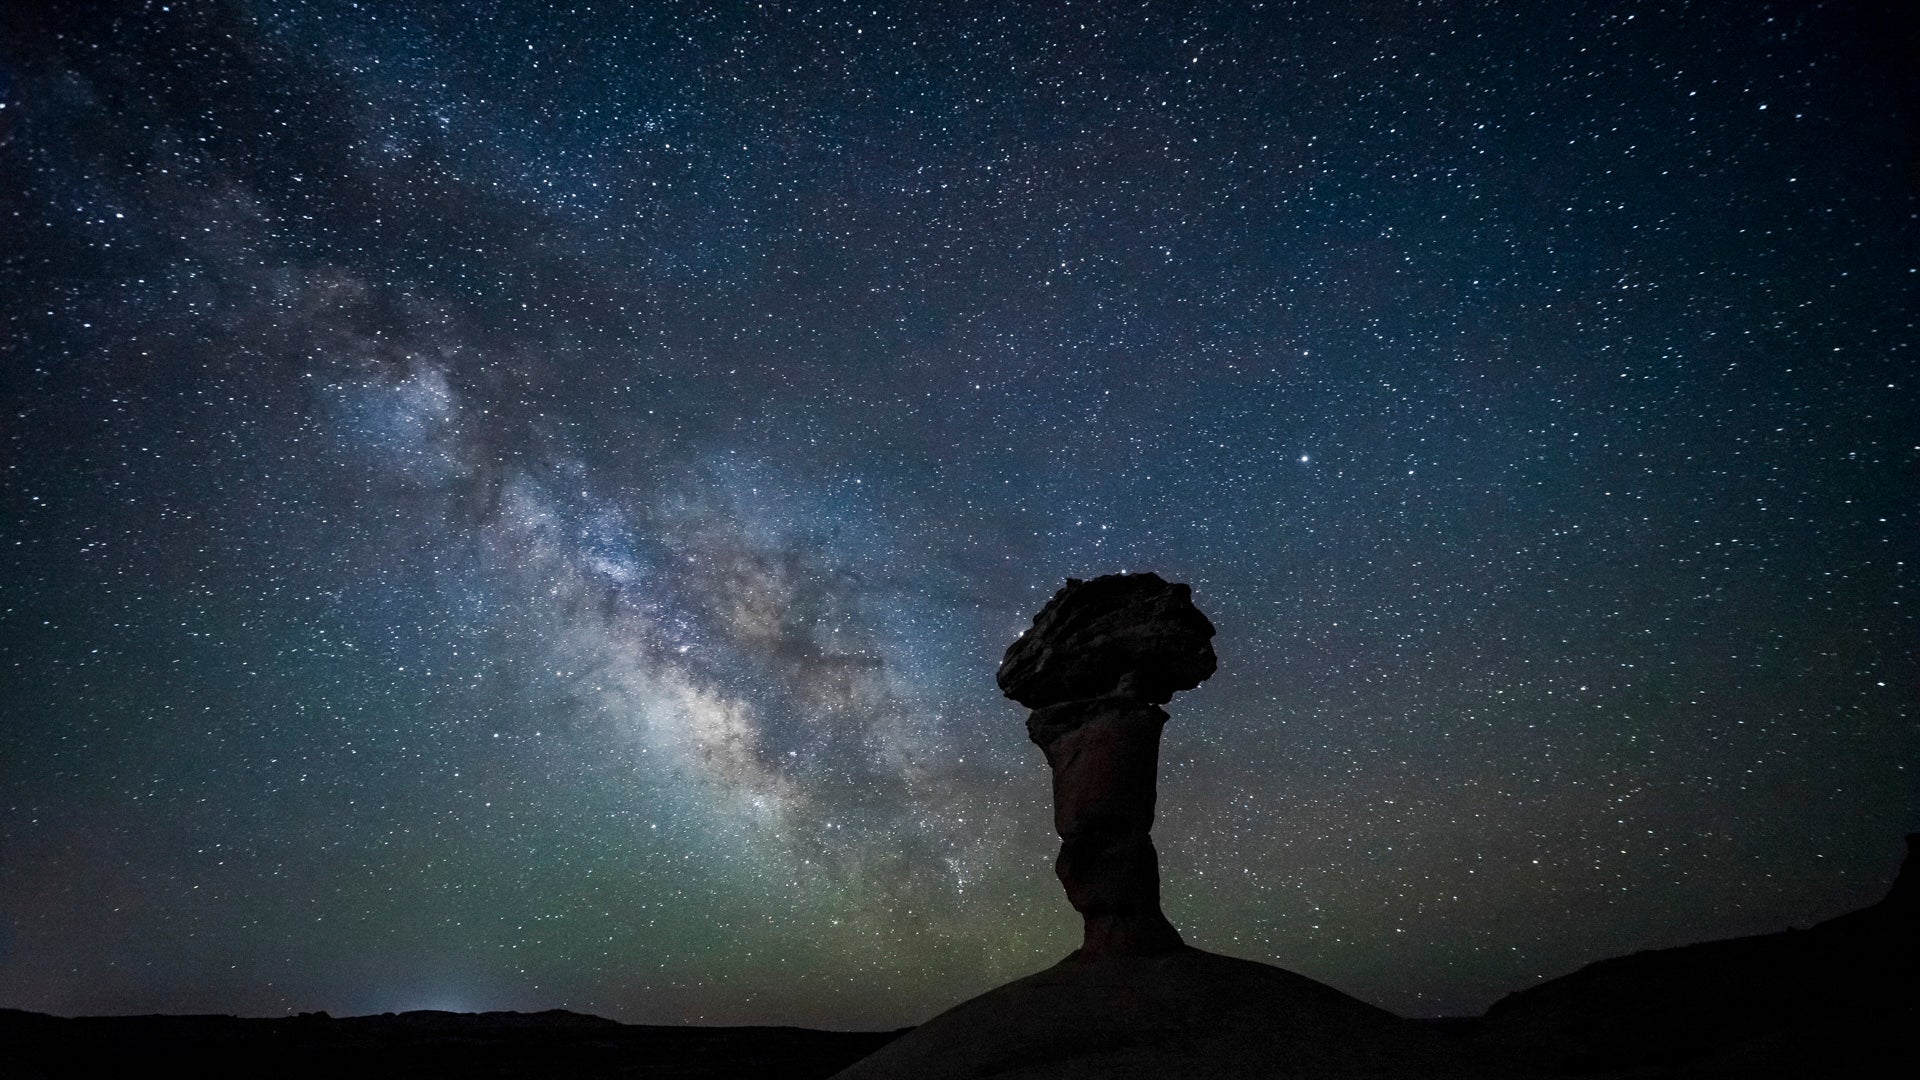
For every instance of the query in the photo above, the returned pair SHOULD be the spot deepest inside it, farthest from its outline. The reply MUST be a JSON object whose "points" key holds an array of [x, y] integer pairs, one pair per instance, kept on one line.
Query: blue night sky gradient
{"points": [[510, 506]]}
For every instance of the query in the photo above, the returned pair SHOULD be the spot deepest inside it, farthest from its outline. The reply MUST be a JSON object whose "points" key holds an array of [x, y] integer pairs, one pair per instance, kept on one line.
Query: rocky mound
{"points": [[1178, 1013]]}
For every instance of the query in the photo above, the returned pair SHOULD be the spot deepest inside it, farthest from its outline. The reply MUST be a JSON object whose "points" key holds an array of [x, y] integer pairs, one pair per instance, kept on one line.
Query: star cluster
{"points": [[513, 505]]}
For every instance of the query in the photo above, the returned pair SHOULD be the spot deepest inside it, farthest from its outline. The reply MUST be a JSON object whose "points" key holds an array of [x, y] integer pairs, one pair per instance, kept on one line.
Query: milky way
{"points": [[511, 507]]}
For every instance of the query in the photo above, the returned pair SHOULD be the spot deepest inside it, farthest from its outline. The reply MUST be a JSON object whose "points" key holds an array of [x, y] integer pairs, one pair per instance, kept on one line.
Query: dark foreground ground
{"points": [[1838, 999], [469, 1046]]}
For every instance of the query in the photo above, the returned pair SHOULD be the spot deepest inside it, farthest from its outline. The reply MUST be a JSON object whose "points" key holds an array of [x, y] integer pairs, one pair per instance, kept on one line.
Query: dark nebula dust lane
{"points": [[520, 505]]}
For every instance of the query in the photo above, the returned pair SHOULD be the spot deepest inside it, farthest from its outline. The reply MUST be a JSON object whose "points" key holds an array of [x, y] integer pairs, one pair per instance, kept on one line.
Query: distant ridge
{"points": [[423, 1043]]}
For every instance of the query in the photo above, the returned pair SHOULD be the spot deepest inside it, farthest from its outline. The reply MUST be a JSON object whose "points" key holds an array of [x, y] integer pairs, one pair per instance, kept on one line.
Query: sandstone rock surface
{"points": [[1131, 635], [1186, 1013], [1100, 659]]}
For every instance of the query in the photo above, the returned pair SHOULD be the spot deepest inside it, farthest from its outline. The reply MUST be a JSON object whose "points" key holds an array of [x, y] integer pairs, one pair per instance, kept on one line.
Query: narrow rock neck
{"points": [[1104, 753]]}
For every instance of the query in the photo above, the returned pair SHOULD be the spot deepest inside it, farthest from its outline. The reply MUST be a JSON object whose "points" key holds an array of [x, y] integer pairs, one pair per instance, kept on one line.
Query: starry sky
{"points": [[510, 505]]}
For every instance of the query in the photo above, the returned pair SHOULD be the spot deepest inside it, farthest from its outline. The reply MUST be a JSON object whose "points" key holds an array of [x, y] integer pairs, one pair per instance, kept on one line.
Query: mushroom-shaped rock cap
{"points": [[1129, 635]]}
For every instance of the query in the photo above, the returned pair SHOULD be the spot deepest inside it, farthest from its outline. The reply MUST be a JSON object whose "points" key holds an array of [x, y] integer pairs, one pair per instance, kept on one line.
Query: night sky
{"points": [[519, 507]]}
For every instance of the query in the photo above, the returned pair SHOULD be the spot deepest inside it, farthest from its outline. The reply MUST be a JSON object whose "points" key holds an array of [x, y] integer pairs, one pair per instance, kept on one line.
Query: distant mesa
{"points": [[390, 1046]]}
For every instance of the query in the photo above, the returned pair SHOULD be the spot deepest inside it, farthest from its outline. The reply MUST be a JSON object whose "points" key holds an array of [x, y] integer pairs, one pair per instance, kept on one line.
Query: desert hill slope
{"points": [[1831, 1000], [1182, 1013]]}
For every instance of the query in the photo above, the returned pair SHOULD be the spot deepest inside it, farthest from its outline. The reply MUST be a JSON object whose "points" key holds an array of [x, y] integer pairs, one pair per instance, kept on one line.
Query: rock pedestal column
{"points": [[1099, 661]]}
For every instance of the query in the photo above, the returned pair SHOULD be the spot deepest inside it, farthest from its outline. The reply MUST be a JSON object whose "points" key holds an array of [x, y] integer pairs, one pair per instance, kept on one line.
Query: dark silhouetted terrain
{"points": [[470, 1046], [1178, 1013], [1839, 999]]}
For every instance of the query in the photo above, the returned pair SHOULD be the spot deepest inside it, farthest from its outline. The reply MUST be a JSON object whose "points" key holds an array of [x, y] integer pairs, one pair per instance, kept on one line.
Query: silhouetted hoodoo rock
{"points": [[1134, 1002], [1100, 659]]}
